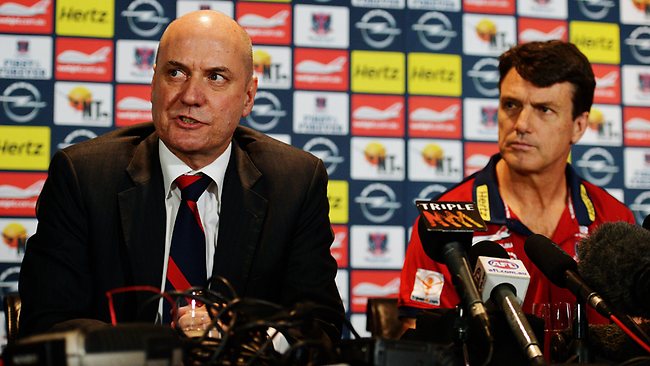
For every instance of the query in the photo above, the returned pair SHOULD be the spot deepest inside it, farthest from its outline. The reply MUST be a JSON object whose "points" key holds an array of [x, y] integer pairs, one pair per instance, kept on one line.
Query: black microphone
{"points": [[450, 248], [615, 259], [485, 248], [500, 277], [562, 270]]}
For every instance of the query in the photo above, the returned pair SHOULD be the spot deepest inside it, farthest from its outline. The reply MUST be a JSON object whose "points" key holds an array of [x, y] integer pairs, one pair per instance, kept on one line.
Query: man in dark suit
{"points": [[106, 212]]}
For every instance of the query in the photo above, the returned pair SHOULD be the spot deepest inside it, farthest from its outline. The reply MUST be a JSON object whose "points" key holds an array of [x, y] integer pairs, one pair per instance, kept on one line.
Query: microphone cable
{"points": [[632, 334]]}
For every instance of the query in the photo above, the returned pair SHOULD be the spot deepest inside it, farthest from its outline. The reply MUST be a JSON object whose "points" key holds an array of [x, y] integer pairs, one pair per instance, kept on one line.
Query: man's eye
{"points": [[216, 77], [175, 73]]}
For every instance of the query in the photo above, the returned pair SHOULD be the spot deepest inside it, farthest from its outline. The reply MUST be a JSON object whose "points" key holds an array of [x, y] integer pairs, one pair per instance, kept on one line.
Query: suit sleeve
{"points": [[311, 269], [55, 277]]}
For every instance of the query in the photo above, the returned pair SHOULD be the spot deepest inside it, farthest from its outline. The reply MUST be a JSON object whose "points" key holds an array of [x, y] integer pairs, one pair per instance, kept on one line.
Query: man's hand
{"points": [[193, 320]]}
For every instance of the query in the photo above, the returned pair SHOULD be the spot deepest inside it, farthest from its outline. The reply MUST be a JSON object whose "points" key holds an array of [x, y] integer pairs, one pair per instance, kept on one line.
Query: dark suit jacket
{"points": [[101, 225]]}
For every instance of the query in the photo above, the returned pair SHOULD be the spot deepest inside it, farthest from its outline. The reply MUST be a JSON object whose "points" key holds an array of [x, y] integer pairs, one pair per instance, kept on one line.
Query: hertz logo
{"points": [[24, 147], [600, 42], [85, 18], [337, 193], [78, 15], [378, 72], [370, 72], [28, 148], [434, 74]]}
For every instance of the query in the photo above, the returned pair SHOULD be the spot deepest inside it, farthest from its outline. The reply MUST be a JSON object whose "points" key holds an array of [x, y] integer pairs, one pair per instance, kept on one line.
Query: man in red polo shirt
{"points": [[546, 93]]}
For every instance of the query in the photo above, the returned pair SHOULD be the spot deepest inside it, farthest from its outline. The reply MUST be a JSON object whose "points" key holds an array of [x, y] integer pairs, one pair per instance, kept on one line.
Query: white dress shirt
{"points": [[209, 204]]}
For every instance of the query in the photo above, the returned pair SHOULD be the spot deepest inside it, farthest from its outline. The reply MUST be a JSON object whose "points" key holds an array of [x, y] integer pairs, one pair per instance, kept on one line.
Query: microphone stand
{"points": [[461, 338], [580, 347], [460, 332]]}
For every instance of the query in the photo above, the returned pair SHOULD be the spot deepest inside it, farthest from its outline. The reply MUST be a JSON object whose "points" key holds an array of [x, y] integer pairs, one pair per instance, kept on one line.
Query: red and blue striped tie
{"points": [[186, 264]]}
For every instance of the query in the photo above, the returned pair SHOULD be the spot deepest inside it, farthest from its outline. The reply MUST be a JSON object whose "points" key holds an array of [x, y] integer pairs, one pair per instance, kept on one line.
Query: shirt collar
{"points": [[490, 204], [173, 167]]}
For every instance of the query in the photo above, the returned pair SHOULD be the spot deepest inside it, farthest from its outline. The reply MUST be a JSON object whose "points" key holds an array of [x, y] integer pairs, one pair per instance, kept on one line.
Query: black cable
{"points": [[643, 360], [241, 326]]}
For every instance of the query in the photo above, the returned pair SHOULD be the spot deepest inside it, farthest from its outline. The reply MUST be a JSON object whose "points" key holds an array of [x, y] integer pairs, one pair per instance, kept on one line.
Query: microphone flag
{"points": [[451, 216]]}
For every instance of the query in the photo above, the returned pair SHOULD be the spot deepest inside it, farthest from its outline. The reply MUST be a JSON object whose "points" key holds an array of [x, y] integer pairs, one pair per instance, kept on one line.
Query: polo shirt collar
{"points": [[486, 195]]}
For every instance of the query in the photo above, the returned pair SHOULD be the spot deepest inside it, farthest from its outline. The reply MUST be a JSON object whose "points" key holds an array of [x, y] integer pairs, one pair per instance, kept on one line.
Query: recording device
{"points": [[389, 352], [446, 230], [562, 270], [504, 281], [615, 260], [127, 344]]}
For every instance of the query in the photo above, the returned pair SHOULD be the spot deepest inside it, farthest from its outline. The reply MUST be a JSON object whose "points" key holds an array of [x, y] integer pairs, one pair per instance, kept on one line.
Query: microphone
{"points": [[485, 248], [614, 259], [449, 247], [493, 266], [562, 270], [505, 281]]}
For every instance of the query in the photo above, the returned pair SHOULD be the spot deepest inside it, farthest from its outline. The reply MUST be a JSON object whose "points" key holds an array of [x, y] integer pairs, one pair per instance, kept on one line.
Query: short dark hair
{"points": [[551, 62]]}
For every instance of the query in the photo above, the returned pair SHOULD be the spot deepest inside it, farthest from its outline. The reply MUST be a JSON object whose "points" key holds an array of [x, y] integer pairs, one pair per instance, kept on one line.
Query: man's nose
{"points": [[523, 120], [192, 92]]}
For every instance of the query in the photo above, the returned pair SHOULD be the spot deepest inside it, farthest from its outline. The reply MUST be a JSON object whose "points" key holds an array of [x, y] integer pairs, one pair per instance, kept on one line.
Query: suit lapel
{"points": [[242, 214], [142, 211]]}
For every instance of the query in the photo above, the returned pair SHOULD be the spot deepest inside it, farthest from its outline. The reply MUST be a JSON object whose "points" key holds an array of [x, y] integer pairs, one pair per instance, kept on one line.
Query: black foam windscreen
{"points": [[434, 242], [615, 260], [609, 343], [549, 258], [485, 248]]}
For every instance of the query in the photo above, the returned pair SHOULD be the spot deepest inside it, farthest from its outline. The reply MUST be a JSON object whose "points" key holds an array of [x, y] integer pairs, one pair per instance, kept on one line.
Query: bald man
{"points": [[107, 210]]}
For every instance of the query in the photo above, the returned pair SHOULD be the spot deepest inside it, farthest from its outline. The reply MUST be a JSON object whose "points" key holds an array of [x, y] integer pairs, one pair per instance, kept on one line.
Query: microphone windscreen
{"points": [[609, 343], [485, 248], [434, 242], [552, 260], [615, 260]]}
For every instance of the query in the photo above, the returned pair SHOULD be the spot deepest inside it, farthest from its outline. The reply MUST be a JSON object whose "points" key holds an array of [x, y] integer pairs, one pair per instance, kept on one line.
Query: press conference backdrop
{"points": [[397, 97]]}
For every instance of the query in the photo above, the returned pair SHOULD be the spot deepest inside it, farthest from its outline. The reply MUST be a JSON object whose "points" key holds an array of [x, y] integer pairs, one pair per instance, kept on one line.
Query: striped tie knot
{"points": [[192, 186]]}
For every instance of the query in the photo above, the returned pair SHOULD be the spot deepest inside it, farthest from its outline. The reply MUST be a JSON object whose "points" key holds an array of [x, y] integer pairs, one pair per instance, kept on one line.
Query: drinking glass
{"points": [[192, 317], [557, 317]]}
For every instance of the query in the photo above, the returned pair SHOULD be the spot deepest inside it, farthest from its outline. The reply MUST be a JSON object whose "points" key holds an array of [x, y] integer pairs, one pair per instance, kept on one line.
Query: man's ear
{"points": [[152, 79], [579, 126], [251, 90]]}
